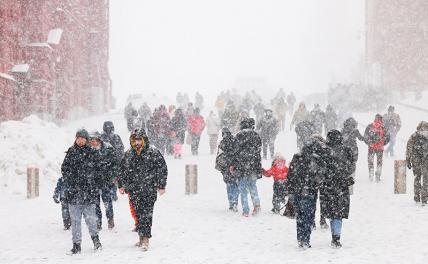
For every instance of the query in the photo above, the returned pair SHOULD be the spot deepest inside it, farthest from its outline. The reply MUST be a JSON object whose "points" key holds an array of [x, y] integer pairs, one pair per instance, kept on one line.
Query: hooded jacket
{"points": [[279, 170], [145, 172], [417, 146], [113, 139]]}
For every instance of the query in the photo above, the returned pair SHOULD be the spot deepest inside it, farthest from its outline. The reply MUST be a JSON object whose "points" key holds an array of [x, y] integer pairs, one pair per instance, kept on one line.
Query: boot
{"points": [[76, 249], [335, 242], [111, 223], [378, 173], [97, 243], [256, 210], [371, 174], [140, 242], [145, 244], [99, 226]]}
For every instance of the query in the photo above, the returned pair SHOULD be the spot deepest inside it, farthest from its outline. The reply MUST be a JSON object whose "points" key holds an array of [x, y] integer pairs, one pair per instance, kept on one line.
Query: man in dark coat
{"points": [[79, 172], [115, 141], [306, 173], [161, 122], [417, 159], [318, 118], [247, 165], [143, 172], [392, 123], [334, 195], [223, 162], [108, 168], [304, 131], [268, 128]]}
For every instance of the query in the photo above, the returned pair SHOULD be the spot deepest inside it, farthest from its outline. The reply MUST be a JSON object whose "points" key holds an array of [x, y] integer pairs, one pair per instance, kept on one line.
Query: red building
{"points": [[397, 43], [54, 58]]}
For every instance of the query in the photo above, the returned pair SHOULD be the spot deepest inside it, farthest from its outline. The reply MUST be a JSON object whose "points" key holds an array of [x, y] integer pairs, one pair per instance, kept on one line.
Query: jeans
{"points": [[268, 142], [65, 214], [108, 205], [305, 215], [336, 227], [232, 193], [88, 212], [248, 184]]}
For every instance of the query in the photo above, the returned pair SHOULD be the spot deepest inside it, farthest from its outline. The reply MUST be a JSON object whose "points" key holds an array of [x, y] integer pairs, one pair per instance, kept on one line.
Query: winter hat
{"points": [[95, 135], [82, 133], [245, 123], [391, 109], [334, 137], [108, 127], [278, 156]]}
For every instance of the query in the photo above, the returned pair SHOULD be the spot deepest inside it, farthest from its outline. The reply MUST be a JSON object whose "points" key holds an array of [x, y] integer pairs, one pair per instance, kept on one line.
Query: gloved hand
{"points": [[56, 199], [409, 165]]}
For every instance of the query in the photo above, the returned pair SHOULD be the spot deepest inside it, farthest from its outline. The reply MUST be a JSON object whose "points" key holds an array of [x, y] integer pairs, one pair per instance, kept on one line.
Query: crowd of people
{"points": [[322, 169]]}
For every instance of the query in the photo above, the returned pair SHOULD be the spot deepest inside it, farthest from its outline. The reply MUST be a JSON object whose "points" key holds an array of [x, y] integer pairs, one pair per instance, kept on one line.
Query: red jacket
{"points": [[377, 127], [196, 124], [278, 170]]}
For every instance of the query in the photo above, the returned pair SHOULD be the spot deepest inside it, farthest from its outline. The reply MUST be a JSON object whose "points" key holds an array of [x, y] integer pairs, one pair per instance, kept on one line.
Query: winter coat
{"points": [[196, 124], [299, 116], [268, 127], [213, 125], [307, 170], [108, 166], [350, 135], [279, 170], [79, 172], [317, 117], [417, 147], [224, 156], [334, 192], [130, 115], [144, 173], [230, 118], [60, 190], [375, 136], [330, 120], [281, 108], [161, 122], [179, 126], [113, 139], [304, 131], [392, 123], [246, 156]]}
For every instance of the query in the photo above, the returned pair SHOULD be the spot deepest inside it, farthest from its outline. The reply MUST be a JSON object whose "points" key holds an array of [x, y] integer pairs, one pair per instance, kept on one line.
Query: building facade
{"points": [[397, 43], [54, 58]]}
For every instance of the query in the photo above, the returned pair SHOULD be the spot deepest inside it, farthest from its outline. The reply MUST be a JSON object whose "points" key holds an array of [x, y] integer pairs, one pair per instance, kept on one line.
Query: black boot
{"points": [[335, 242], [76, 249], [97, 243]]}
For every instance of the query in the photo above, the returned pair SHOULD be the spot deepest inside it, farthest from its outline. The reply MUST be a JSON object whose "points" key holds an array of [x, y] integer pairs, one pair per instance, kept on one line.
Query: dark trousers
{"points": [[421, 184], [268, 142], [279, 194], [144, 203], [161, 143], [379, 159], [305, 215], [65, 214], [195, 143], [108, 205]]}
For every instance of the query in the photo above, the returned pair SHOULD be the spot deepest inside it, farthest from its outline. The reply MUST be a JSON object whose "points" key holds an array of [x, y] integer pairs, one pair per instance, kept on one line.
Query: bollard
{"points": [[400, 176], [191, 184], [32, 182]]}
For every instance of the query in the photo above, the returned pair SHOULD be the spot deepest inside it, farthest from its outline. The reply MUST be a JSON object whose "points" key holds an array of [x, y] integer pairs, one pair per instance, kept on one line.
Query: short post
{"points": [[400, 176], [32, 182], [191, 185]]}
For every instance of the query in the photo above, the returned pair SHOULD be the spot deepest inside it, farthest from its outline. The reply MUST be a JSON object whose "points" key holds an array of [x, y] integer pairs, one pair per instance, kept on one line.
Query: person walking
{"points": [[196, 124], [392, 123], [213, 127]]}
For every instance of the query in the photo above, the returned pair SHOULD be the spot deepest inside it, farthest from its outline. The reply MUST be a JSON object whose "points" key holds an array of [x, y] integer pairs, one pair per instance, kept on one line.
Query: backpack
{"points": [[374, 135]]}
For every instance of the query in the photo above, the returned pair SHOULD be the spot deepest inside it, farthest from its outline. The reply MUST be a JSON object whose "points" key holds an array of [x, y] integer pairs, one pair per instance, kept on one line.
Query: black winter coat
{"points": [[334, 193], [307, 170], [350, 135], [268, 127], [79, 172], [144, 173], [246, 156], [224, 157], [108, 166], [113, 139], [179, 126]]}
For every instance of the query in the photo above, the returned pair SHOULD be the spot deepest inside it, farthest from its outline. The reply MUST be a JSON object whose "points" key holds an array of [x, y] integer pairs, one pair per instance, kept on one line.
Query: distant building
{"points": [[397, 43], [54, 58]]}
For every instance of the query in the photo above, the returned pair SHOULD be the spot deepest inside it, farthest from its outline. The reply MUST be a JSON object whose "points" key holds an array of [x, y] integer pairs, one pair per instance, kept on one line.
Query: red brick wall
{"points": [[65, 77]]}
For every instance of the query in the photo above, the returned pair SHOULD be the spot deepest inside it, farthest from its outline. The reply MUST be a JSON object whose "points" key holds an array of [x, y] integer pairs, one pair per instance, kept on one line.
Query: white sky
{"points": [[166, 46]]}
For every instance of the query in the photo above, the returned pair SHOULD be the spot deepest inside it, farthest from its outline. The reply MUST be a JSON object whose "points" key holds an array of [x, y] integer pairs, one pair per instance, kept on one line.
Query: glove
{"points": [[55, 199], [409, 165]]}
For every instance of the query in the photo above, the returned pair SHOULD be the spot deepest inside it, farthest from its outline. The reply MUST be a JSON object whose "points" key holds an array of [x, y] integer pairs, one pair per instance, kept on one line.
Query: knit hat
{"points": [[83, 134]]}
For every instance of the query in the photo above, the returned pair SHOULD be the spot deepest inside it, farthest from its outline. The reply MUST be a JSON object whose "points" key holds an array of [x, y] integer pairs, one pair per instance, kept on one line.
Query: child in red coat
{"points": [[279, 171]]}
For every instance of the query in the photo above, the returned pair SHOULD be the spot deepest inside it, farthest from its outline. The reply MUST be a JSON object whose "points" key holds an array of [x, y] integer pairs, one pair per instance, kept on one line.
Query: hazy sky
{"points": [[166, 46]]}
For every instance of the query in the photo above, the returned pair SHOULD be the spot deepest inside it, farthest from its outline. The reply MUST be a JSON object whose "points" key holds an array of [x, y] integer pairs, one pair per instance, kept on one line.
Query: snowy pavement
{"points": [[382, 228]]}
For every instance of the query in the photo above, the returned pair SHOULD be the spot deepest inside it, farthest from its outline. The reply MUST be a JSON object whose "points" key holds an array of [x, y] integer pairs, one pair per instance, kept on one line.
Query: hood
{"points": [[350, 124], [225, 132], [334, 138], [247, 123], [422, 126], [137, 134], [108, 127]]}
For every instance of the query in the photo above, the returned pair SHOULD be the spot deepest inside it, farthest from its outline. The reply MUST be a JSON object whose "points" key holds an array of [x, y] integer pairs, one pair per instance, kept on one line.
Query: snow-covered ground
{"points": [[383, 227]]}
